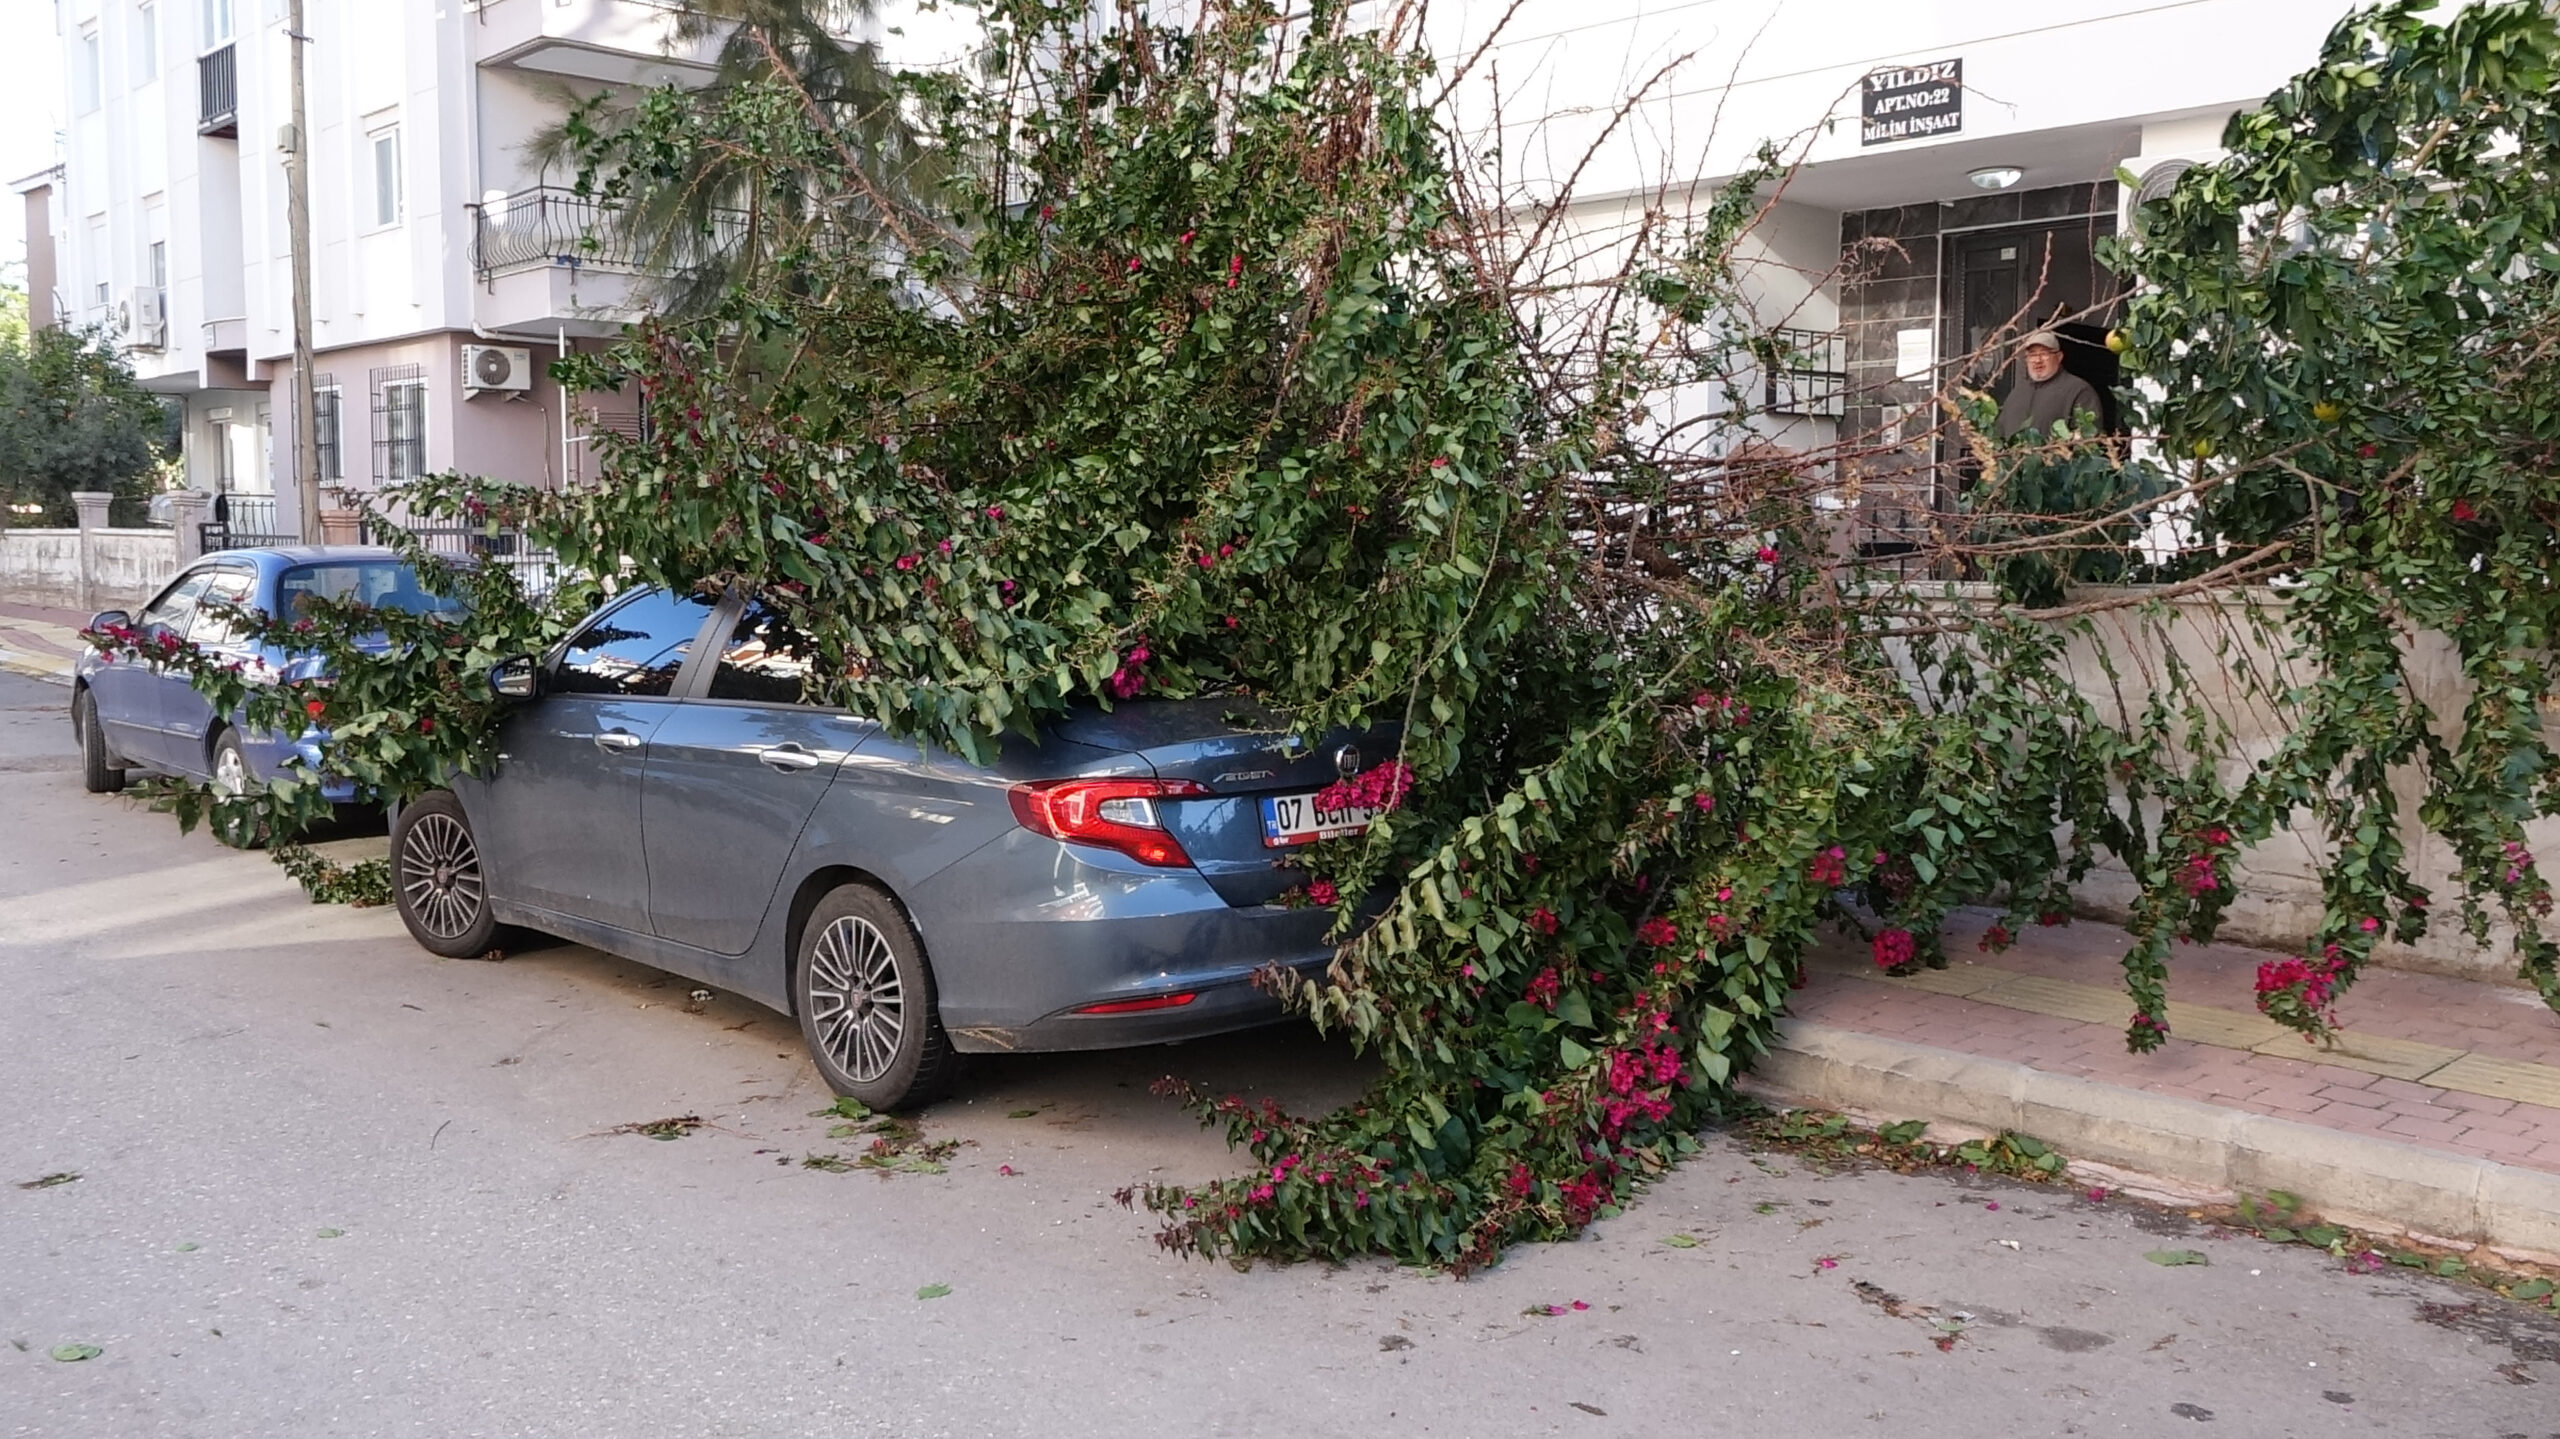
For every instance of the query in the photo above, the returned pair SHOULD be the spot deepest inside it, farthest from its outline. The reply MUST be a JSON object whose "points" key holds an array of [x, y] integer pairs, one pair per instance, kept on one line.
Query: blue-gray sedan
{"points": [[668, 792], [131, 713]]}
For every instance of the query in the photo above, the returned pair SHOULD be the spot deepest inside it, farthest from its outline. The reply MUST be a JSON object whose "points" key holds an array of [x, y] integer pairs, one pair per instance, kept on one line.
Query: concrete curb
{"points": [[2350, 1179]]}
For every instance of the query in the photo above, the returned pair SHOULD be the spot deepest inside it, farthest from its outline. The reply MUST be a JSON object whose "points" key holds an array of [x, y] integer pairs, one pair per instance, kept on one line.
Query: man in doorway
{"points": [[2046, 392]]}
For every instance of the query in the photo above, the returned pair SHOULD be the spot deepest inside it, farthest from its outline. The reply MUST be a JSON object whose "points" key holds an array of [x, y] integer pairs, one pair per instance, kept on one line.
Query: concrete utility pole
{"points": [[297, 223]]}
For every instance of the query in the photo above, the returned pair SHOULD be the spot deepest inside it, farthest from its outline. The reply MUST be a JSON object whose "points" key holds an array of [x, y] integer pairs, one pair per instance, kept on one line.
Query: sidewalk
{"points": [[2438, 1109], [38, 641]]}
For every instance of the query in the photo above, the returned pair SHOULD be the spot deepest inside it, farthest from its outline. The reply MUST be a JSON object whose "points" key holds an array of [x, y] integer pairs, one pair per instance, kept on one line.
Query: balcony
{"points": [[550, 259], [218, 93], [622, 42]]}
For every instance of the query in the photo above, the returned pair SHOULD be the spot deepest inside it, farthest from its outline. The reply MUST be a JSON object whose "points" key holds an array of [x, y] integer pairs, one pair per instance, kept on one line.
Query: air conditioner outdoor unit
{"points": [[2153, 181], [496, 367], [148, 323]]}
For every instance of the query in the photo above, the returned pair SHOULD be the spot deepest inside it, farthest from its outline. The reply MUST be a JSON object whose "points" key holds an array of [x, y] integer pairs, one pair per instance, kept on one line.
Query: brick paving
{"points": [[2467, 1016], [41, 640]]}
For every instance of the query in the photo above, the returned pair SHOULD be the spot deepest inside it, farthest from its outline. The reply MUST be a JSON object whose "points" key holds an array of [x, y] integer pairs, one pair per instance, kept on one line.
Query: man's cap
{"points": [[2047, 338]]}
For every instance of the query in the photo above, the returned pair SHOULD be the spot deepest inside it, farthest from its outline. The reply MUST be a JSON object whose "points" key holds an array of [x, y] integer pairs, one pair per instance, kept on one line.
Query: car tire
{"points": [[232, 776], [866, 1001], [99, 772], [437, 881]]}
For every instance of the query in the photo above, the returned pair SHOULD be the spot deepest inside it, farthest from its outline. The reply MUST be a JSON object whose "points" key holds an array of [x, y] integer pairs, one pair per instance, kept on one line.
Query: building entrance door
{"points": [[2003, 283]]}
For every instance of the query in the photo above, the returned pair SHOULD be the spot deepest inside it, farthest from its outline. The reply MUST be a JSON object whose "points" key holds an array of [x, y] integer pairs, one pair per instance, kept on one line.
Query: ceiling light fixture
{"points": [[1995, 177]]}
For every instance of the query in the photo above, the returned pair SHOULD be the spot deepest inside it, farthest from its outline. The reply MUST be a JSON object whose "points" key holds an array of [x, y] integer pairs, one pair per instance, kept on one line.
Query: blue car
{"points": [[668, 790], [130, 714]]}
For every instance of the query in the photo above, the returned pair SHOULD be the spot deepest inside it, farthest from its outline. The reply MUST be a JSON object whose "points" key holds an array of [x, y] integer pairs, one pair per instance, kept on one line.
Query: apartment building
{"points": [[1956, 166], [446, 268]]}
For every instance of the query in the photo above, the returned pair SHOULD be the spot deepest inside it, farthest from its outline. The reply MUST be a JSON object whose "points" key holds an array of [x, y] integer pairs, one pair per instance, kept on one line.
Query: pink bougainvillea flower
{"points": [[1706, 804], [995, 512], [1991, 1204], [1658, 932], [2097, 1194], [2462, 511], [1323, 892], [1133, 264], [1207, 559], [1005, 1170], [314, 708], [1578, 1304], [1827, 1261], [1543, 920], [1186, 237], [1894, 947], [1768, 555], [426, 724], [907, 562]]}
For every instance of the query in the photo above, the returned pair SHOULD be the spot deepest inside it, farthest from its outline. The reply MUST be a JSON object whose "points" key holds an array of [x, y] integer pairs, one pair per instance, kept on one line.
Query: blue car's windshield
{"points": [[379, 583]]}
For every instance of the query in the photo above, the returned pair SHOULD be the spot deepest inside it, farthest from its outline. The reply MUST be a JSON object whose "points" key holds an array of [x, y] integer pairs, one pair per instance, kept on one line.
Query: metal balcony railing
{"points": [[218, 92], [551, 225]]}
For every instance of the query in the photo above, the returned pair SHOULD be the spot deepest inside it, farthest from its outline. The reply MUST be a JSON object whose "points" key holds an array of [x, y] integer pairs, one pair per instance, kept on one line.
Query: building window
{"points": [[217, 24], [102, 291], [328, 449], [399, 424], [87, 75], [386, 176], [146, 43]]}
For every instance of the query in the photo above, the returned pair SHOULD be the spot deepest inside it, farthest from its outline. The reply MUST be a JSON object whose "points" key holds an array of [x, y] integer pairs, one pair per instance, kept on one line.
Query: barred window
{"points": [[328, 445], [399, 424]]}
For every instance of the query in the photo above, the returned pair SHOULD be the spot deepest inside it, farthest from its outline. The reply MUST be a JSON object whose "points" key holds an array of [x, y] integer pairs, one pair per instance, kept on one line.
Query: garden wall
{"points": [[124, 567], [2232, 644]]}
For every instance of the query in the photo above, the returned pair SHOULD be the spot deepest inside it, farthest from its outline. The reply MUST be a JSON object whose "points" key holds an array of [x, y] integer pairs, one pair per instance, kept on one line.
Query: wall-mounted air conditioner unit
{"points": [[496, 367], [2153, 180], [147, 318]]}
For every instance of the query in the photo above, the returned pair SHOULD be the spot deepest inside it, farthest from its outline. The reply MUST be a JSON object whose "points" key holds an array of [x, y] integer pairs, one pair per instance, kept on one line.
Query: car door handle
{"points": [[789, 758], [622, 739]]}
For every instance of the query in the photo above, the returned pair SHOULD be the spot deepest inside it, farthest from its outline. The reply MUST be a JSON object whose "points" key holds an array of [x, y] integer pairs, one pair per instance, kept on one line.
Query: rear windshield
{"points": [[383, 584]]}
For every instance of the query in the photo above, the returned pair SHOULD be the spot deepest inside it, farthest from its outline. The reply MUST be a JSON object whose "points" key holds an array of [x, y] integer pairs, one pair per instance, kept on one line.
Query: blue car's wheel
{"points": [[232, 779], [99, 771], [866, 1002]]}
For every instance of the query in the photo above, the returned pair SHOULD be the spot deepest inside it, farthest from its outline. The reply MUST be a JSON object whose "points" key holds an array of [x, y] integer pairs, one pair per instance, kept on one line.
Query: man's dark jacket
{"points": [[2034, 406]]}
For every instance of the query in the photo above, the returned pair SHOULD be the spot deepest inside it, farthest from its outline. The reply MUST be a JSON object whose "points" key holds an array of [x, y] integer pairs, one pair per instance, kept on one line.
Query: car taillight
{"points": [[1118, 814]]}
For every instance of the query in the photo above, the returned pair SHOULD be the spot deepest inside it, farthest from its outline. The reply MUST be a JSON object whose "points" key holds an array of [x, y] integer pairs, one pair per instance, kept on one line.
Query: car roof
{"points": [[277, 557]]}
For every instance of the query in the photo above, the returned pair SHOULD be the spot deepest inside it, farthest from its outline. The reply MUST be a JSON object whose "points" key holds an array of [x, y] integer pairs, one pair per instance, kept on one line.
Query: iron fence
{"points": [[243, 522], [537, 569]]}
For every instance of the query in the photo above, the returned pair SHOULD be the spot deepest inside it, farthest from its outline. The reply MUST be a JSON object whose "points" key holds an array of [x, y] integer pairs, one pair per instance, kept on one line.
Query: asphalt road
{"points": [[330, 1185]]}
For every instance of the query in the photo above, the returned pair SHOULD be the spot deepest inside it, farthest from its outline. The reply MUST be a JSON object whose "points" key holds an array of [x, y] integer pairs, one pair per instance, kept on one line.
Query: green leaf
{"points": [[2531, 1290], [1574, 1008], [1573, 1055], [2172, 1258], [1680, 1241], [933, 1291], [332, 1234], [74, 1353], [189, 1247]]}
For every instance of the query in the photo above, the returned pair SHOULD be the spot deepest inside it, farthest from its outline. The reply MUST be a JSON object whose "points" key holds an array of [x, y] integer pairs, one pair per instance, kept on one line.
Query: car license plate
{"points": [[1289, 819]]}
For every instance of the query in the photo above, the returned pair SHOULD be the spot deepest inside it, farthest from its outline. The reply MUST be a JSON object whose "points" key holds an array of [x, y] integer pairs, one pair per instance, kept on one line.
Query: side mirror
{"points": [[105, 620], [518, 677]]}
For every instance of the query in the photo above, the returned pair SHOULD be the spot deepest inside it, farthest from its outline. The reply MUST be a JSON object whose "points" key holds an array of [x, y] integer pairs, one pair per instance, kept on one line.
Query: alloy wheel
{"points": [[440, 875], [858, 1006], [230, 772]]}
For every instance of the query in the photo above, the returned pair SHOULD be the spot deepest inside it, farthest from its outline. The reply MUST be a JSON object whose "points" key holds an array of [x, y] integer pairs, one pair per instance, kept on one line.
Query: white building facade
{"points": [[1953, 165], [446, 271]]}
